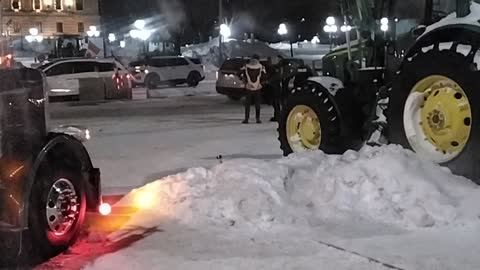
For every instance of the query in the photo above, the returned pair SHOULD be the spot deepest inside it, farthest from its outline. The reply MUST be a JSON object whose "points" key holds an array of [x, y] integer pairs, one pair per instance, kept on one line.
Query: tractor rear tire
{"points": [[316, 99], [462, 74]]}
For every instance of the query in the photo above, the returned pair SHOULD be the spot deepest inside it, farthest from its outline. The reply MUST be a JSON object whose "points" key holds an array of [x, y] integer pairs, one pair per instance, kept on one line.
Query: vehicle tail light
{"points": [[105, 209]]}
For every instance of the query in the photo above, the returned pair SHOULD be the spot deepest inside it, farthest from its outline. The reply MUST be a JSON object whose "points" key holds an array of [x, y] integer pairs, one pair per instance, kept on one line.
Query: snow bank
{"points": [[384, 185]]}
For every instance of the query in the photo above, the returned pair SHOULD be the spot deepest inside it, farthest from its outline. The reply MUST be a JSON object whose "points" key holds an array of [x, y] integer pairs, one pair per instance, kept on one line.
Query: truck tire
{"points": [[56, 211], [193, 79], [434, 110], [310, 121], [152, 81]]}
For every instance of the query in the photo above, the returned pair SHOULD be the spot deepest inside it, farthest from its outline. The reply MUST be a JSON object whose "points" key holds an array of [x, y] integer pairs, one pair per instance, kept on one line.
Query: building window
{"points": [[37, 5], [59, 27], [58, 5], [16, 4], [39, 26], [17, 27], [81, 27], [79, 4]]}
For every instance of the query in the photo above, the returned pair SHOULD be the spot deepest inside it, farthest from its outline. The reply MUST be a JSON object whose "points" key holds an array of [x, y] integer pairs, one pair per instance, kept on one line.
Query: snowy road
{"points": [[138, 142]]}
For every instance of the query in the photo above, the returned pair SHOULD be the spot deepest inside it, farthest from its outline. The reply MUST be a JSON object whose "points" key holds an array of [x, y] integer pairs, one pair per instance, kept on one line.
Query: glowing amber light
{"points": [[105, 209]]}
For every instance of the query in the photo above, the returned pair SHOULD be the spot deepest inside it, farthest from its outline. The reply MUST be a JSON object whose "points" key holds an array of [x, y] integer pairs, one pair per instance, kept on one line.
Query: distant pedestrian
{"points": [[253, 76], [275, 85]]}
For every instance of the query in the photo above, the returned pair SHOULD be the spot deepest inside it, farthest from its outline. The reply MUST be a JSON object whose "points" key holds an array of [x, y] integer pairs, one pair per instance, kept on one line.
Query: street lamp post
{"points": [[331, 28], [34, 38], [283, 31], [384, 27], [141, 33], [220, 23]]}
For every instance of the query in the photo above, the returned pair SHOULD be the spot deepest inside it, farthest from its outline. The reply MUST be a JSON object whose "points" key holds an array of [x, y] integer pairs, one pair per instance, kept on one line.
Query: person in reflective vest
{"points": [[254, 71]]}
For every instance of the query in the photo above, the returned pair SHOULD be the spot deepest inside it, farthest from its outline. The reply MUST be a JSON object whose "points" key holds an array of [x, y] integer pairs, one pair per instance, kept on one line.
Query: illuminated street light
{"points": [[331, 28], [315, 40], [384, 24], [33, 31], [282, 29], [33, 37], [144, 34], [330, 20], [112, 37], [123, 44], [345, 28], [93, 31], [225, 31], [139, 24]]}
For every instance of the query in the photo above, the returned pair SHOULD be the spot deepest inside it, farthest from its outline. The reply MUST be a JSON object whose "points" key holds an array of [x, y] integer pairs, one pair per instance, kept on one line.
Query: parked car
{"points": [[172, 70], [231, 83], [63, 75]]}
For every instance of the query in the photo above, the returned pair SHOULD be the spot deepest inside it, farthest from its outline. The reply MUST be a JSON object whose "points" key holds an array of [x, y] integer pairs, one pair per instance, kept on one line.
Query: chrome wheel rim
{"points": [[62, 208]]}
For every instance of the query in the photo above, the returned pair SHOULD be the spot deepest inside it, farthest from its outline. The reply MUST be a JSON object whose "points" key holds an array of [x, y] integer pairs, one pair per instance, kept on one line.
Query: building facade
{"points": [[52, 18]]}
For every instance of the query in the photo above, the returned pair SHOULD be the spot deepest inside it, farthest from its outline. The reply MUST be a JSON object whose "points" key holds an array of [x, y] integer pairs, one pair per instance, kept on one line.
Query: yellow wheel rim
{"points": [[438, 116], [303, 129]]}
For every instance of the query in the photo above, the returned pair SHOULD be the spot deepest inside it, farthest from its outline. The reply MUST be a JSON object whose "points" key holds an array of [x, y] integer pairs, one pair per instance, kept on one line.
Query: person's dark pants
{"points": [[276, 93], [257, 96]]}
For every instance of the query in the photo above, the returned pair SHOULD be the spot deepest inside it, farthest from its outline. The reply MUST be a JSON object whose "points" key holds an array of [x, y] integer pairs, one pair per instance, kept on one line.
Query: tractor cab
{"points": [[371, 47]]}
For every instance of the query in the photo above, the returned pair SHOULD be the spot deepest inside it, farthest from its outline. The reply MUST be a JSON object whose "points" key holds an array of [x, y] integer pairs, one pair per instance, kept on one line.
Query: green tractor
{"points": [[407, 75]]}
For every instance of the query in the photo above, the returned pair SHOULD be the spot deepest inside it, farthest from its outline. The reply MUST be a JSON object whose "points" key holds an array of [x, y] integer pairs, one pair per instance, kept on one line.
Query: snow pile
{"points": [[383, 185]]}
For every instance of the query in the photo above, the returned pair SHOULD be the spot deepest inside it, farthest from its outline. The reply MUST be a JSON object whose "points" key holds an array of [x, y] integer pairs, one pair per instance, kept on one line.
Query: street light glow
{"points": [[139, 24], [331, 20], [33, 31], [33, 37], [225, 31], [345, 28], [144, 34], [134, 33], [282, 29], [112, 37], [122, 44], [384, 24], [93, 31]]}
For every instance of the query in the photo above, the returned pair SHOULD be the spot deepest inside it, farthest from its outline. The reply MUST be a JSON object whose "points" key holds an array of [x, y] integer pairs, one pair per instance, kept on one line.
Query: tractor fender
{"points": [[72, 150], [447, 37], [331, 84]]}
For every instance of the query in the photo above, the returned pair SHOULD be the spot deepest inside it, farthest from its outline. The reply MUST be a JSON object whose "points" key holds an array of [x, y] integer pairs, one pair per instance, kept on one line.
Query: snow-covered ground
{"points": [[253, 209], [138, 142], [206, 87]]}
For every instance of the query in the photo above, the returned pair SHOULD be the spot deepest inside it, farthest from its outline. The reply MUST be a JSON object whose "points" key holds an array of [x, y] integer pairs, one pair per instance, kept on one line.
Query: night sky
{"points": [[189, 21]]}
